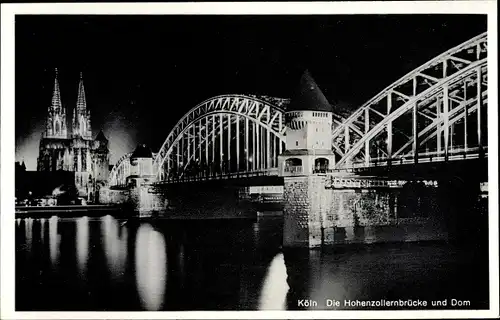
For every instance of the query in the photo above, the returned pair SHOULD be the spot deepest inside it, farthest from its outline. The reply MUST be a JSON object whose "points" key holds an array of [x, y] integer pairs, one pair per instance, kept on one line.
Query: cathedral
{"points": [[76, 150]]}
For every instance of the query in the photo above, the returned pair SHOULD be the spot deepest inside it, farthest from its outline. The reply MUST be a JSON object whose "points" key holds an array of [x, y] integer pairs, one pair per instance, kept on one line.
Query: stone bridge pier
{"points": [[331, 210], [147, 200]]}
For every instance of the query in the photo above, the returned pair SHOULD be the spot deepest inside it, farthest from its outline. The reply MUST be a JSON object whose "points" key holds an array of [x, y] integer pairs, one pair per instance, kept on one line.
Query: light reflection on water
{"points": [[28, 228], [54, 240], [115, 245], [275, 288], [150, 267], [42, 230], [337, 287], [82, 243], [217, 266]]}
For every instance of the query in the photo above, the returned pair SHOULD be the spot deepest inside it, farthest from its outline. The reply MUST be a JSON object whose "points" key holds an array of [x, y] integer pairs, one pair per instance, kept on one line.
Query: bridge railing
{"points": [[424, 157], [294, 169], [338, 182], [221, 176]]}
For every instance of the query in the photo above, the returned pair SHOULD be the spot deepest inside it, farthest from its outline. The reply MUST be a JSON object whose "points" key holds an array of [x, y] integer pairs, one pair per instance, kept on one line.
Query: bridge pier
{"points": [[325, 210], [146, 200], [317, 213], [305, 211]]}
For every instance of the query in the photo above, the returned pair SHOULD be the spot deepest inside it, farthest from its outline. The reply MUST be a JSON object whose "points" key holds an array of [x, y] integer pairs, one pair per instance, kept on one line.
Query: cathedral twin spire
{"points": [[81, 116], [56, 119], [56, 95]]}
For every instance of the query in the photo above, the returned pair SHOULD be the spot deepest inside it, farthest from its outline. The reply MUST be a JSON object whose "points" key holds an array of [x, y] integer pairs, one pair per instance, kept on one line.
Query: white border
{"points": [[7, 141]]}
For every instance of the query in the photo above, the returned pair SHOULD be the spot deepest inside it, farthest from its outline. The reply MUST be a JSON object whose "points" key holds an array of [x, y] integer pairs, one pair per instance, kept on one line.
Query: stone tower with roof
{"points": [[308, 131], [308, 156]]}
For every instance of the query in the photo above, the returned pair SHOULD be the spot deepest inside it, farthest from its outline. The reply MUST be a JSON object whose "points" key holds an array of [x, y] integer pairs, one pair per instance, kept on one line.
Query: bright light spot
{"points": [[114, 245], [42, 230], [57, 191], [275, 288], [150, 267], [82, 243], [484, 187], [53, 240], [28, 229]]}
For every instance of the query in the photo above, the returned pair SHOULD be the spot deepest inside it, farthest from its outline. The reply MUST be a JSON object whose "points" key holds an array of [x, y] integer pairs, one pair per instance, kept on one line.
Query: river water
{"points": [[104, 263]]}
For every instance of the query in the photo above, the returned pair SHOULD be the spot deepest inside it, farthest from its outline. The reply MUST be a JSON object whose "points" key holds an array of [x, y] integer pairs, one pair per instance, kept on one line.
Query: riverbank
{"points": [[72, 211], [67, 210]]}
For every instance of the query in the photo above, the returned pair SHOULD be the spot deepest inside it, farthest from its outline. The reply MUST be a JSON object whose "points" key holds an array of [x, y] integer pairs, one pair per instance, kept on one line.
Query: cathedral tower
{"points": [[81, 116], [87, 158], [56, 117]]}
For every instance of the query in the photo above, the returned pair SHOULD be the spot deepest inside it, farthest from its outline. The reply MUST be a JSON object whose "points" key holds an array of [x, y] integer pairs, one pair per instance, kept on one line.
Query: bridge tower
{"points": [[142, 195], [307, 158]]}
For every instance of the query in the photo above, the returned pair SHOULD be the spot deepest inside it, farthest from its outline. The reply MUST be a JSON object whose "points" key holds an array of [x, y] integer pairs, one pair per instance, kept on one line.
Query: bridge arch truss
{"points": [[437, 112], [224, 135], [120, 171]]}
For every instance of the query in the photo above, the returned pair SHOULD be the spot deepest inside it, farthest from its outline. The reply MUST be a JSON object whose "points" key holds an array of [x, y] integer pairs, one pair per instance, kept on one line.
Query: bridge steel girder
{"points": [[434, 92], [216, 132], [456, 115], [419, 87], [120, 171], [222, 109], [226, 126]]}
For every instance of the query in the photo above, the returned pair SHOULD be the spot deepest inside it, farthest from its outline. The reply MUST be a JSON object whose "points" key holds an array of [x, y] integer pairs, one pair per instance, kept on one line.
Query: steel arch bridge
{"points": [[120, 171], [224, 135], [437, 112]]}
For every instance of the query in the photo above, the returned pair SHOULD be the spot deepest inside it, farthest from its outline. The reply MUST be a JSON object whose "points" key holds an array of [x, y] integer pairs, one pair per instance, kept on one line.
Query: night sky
{"points": [[142, 73]]}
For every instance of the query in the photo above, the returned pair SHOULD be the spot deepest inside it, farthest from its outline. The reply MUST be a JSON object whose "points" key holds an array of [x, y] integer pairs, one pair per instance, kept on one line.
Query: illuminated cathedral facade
{"points": [[74, 150]]}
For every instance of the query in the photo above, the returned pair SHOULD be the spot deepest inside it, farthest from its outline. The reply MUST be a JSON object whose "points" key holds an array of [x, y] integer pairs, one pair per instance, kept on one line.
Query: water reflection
{"points": [[126, 268], [42, 230], [54, 240], [28, 232], [256, 232], [181, 270], [82, 243], [327, 278], [150, 267], [275, 287], [115, 245]]}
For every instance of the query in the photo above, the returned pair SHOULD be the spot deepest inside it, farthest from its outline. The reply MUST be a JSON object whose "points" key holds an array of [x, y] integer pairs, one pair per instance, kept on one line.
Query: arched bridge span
{"points": [[437, 112], [223, 135]]}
